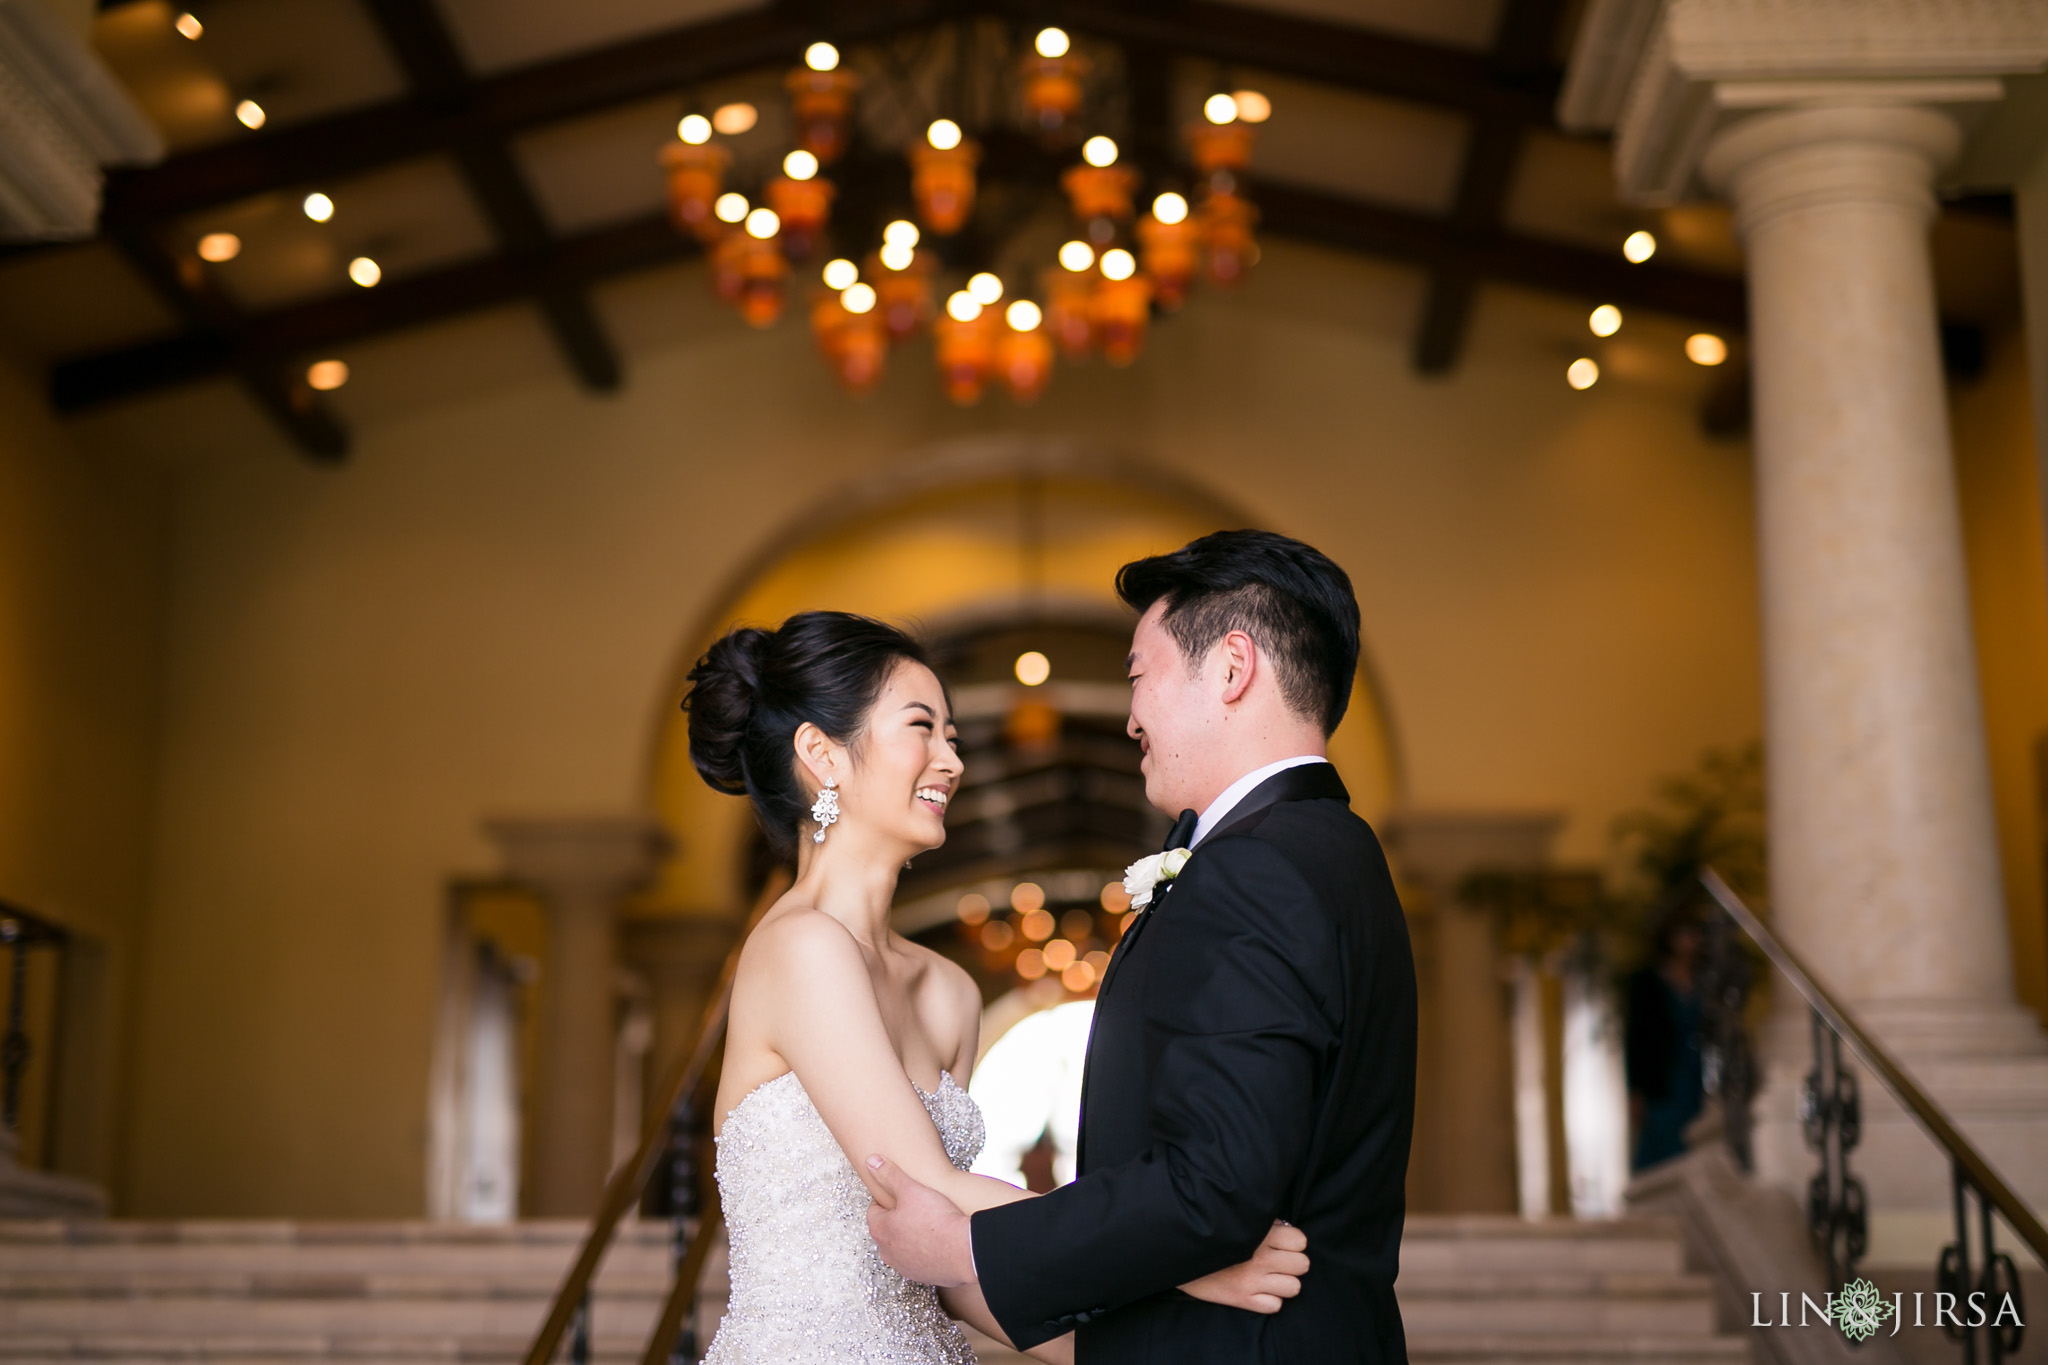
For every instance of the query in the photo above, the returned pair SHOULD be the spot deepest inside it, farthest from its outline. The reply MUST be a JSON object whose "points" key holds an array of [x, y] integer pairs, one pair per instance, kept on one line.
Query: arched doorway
{"points": [[982, 546]]}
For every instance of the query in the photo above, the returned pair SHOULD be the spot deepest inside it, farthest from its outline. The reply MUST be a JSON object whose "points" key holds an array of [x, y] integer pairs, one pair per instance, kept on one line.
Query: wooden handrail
{"points": [[1895, 1079], [626, 1183]]}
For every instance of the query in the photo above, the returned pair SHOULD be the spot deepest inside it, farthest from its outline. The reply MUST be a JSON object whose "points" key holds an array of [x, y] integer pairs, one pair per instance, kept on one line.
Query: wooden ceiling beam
{"points": [[1520, 56], [419, 37], [580, 261], [506, 104]]}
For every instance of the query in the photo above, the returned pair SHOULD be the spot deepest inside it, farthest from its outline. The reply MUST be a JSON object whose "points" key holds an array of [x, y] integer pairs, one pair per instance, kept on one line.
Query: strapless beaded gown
{"points": [[807, 1285]]}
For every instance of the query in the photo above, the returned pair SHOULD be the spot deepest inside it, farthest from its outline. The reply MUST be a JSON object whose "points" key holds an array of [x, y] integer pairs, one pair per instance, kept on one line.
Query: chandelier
{"points": [[998, 302]]}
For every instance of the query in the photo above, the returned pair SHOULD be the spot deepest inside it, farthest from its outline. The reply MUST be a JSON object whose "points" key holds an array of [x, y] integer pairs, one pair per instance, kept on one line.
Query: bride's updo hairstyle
{"points": [[752, 689]]}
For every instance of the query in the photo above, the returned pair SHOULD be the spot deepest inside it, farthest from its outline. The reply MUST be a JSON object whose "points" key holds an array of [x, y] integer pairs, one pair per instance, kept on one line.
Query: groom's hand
{"points": [[920, 1233]]}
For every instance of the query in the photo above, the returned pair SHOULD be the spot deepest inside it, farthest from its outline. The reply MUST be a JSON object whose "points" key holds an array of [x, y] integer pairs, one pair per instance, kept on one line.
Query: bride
{"points": [[845, 1037]]}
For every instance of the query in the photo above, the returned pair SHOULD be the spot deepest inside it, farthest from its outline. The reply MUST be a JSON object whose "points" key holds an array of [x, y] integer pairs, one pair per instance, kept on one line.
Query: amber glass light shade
{"points": [[1069, 311], [1099, 191], [942, 183], [855, 345], [1121, 309], [903, 298], [966, 354], [1170, 253], [1051, 89], [1220, 146], [1227, 221], [1024, 363], [821, 103], [804, 206], [726, 253], [763, 273], [696, 174]]}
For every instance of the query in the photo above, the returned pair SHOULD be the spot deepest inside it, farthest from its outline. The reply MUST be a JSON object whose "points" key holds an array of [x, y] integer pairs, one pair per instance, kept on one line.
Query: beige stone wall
{"points": [[82, 541], [484, 612], [1998, 478]]}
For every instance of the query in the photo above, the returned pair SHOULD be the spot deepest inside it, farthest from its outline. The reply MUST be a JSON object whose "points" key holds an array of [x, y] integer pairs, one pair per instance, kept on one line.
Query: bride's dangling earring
{"points": [[825, 810]]}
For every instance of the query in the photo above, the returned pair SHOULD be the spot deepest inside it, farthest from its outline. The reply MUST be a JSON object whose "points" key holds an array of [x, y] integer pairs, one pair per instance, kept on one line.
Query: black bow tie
{"points": [[1183, 831]]}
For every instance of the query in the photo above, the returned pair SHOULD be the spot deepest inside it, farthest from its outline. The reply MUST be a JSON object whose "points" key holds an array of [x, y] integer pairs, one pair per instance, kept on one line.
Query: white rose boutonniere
{"points": [[1143, 878]]}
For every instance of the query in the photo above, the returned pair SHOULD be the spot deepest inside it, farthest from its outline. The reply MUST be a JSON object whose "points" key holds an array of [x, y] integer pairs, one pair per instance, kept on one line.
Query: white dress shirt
{"points": [[1238, 790]]}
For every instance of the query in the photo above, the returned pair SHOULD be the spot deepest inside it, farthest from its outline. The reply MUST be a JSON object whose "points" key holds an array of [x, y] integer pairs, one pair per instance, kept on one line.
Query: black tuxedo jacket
{"points": [[1253, 1058]]}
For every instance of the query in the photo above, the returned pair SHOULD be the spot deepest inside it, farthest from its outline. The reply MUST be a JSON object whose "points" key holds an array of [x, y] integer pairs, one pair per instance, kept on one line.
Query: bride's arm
{"points": [[826, 1024]]}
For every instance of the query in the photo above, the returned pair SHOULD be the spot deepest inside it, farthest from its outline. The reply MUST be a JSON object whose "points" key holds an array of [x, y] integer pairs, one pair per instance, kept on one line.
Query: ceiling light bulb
{"points": [[902, 232], [800, 165], [840, 274], [944, 134], [763, 223], [1099, 151], [1023, 316], [250, 114], [1052, 42], [1605, 321], [1170, 208], [365, 271], [1639, 247], [985, 287], [1033, 668], [731, 207], [1118, 264], [1077, 256], [1704, 348], [327, 375], [898, 255], [962, 306], [858, 298], [189, 26], [1252, 107], [219, 246], [1220, 108], [821, 57], [318, 207], [695, 129], [733, 119], [1582, 374]]}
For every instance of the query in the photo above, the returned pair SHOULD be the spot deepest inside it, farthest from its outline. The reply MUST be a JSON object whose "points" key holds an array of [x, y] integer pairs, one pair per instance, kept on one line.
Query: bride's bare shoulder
{"points": [[797, 938]]}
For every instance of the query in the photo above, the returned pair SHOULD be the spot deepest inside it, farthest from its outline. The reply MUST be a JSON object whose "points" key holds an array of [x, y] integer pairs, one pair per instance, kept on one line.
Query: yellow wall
{"points": [[487, 610], [81, 556], [1998, 478]]}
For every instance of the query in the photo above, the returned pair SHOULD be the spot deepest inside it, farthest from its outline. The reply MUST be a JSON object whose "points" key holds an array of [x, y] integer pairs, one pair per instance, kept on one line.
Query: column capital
{"points": [[1791, 159], [603, 855], [1669, 76]]}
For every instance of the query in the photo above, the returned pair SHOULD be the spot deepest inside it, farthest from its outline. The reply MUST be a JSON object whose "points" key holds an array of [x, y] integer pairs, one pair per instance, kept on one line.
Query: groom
{"points": [[1253, 1053]]}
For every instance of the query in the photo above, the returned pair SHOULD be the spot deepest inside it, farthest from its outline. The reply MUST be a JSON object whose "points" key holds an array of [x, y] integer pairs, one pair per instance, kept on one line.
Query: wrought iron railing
{"points": [[668, 1143], [1831, 1111], [20, 932]]}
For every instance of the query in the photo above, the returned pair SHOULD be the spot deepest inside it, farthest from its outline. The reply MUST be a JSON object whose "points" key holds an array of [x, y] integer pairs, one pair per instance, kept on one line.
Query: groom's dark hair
{"points": [[1289, 597]]}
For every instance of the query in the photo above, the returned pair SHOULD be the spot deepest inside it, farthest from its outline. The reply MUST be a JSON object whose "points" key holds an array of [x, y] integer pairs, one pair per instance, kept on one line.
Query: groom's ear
{"points": [[1238, 657]]}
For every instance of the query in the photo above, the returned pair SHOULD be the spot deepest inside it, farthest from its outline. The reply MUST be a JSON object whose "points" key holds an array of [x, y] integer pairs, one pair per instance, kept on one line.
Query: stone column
{"points": [[1464, 1155], [582, 869], [1884, 857], [1827, 123]]}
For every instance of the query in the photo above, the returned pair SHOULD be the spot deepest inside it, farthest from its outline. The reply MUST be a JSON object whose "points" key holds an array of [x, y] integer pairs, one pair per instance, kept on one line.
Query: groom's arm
{"points": [[1240, 1037]]}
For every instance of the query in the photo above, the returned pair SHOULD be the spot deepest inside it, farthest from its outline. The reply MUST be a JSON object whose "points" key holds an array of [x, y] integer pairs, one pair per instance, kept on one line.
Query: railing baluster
{"points": [[579, 1332], [1830, 1112], [14, 1050]]}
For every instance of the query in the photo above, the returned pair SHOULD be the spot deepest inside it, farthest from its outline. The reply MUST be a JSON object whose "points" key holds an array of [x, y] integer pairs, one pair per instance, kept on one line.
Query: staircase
{"points": [[1479, 1289], [274, 1293], [1474, 1289]]}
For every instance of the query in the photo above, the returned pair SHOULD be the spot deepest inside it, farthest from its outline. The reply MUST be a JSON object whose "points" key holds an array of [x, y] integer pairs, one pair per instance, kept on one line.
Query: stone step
{"points": [[175, 1318], [1485, 1243], [1484, 1348], [297, 1284], [611, 1348], [1613, 1302]]}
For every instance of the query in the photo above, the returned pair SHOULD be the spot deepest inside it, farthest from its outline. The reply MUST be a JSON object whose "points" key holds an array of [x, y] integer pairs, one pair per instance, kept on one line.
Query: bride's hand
{"points": [[1263, 1283]]}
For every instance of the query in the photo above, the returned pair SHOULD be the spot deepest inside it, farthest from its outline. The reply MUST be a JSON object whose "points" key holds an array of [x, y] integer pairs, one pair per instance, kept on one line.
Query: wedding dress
{"points": [[807, 1285]]}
